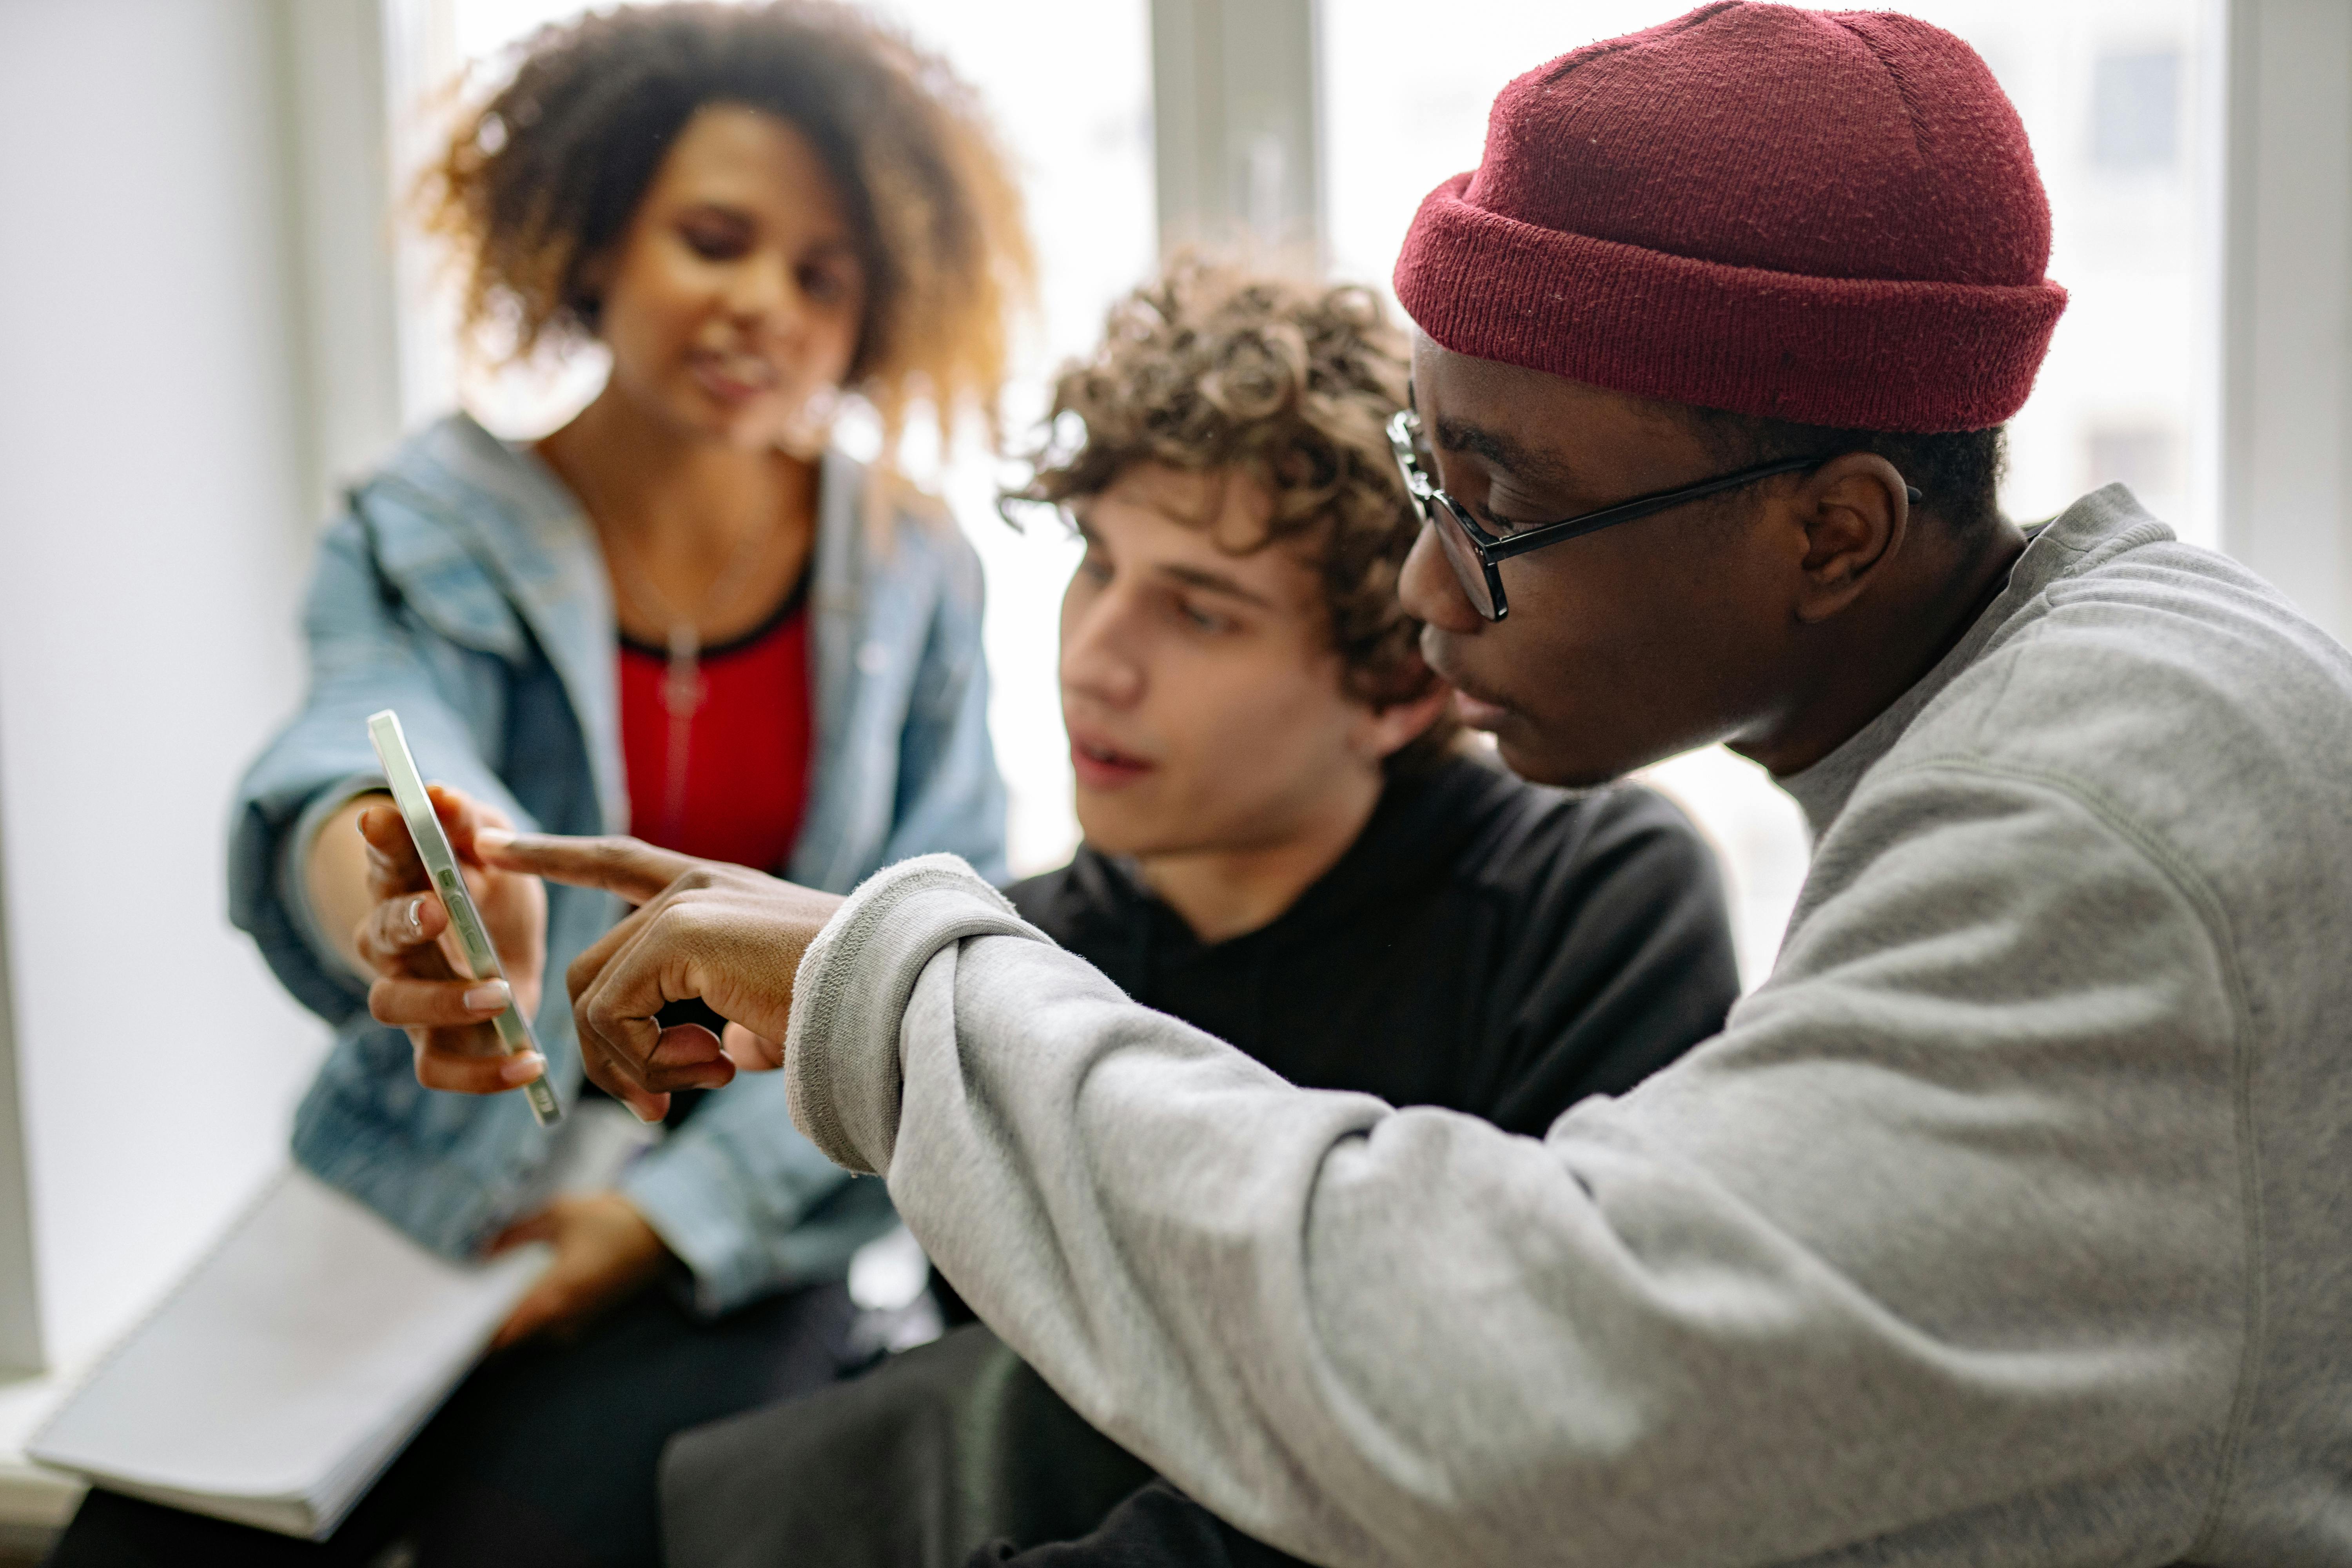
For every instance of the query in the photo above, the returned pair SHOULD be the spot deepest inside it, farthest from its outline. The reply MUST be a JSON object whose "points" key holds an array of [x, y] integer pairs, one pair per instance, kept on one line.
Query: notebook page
{"points": [[313, 1335]]}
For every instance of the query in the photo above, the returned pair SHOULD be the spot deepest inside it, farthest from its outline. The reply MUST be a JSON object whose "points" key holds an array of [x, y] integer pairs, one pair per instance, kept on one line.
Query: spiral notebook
{"points": [[292, 1365]]}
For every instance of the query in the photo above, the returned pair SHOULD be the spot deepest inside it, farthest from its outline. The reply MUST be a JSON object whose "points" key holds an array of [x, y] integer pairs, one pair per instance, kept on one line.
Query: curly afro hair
{"points": [[544, 175], [1212, 368]]}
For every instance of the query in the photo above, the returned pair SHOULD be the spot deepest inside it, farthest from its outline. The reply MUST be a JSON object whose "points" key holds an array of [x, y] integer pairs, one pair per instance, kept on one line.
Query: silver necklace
{"points": [[683, 689]]}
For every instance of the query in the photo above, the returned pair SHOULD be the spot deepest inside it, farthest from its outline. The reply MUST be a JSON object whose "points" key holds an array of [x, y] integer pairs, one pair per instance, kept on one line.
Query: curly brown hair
{"points": [[1212, 368], [542, 177]]}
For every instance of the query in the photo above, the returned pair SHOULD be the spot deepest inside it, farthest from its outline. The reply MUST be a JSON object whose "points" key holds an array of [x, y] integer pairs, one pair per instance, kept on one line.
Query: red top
{"points": [[739, 789]]}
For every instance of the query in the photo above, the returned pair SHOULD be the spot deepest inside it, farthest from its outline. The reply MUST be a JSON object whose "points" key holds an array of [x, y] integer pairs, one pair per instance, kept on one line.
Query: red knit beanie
{"points": [[1831, 218]]}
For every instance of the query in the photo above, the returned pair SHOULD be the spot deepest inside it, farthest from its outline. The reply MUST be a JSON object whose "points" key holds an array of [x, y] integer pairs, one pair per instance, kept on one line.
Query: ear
{"points": [[1383, 731], [1855, 514]]}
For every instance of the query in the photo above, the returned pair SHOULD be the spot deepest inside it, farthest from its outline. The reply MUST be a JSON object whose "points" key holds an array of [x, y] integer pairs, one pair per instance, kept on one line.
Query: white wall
{"points": [[152, 532], [2286, 392]]}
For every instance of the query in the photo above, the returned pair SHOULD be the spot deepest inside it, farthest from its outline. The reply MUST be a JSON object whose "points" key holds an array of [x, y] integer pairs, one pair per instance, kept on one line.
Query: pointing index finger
{"points": [[629, 867]]}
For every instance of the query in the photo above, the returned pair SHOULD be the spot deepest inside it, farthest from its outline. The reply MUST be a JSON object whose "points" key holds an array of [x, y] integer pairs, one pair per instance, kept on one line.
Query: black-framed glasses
{"points": [[1476, 554]]}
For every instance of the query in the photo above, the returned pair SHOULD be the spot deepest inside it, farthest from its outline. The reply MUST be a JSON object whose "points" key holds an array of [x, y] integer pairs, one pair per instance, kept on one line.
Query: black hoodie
{"points": [[1486, 945]]}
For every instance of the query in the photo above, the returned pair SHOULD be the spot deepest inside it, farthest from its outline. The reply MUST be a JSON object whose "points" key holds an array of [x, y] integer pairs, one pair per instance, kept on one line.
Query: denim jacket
{"points": [[464, 587]]}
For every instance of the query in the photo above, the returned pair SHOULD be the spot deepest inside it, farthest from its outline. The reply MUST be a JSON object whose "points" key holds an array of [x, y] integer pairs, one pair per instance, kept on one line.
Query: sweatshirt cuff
{"points": [[843, 1080]]}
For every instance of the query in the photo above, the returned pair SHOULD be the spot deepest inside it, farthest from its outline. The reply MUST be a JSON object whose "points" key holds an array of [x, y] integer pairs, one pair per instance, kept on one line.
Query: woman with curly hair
{"points": [[684, 615]]}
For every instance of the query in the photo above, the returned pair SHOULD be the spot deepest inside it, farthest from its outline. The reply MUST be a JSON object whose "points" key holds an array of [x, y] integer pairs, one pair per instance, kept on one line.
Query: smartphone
{"points": [[481, 959]]}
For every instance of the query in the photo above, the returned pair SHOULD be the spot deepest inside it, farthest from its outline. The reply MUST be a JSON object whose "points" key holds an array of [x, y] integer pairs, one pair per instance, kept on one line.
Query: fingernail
{"points": [[648, 1118], [492, 837], [489, 997], [523, 1069], [416, 913]]}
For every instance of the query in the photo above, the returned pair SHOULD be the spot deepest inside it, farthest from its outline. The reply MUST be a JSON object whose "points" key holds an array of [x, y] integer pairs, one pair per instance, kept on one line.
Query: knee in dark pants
{"points": [[1157, 1527]]}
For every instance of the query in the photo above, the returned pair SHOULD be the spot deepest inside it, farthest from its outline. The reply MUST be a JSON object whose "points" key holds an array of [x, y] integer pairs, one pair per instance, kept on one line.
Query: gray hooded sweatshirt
{"points": [[2009, 1222]]}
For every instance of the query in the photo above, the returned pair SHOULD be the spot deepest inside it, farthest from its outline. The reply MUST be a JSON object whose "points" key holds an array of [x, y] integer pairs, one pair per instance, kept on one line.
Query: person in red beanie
{"points": [[2003, 1224]]}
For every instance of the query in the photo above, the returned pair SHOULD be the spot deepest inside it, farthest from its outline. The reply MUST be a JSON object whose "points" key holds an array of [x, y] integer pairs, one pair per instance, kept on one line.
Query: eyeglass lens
{"points": [[1461, 554]]}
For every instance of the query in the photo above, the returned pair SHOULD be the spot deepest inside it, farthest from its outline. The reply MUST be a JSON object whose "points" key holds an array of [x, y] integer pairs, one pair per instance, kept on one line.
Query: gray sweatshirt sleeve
{"points": [[1943, 1246]]}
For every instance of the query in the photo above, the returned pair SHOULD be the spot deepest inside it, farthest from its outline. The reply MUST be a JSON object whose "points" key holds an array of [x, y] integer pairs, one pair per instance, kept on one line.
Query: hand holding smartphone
{"points": [[479, 956]]}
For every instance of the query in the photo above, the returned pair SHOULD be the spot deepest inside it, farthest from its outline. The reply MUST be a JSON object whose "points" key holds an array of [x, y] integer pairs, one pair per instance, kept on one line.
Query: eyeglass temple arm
{"points": [[1642, 506]]}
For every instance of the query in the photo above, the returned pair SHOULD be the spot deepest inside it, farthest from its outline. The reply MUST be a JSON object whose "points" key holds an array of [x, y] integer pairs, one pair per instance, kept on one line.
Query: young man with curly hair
{"points": [[1285, 842], [1287, 846]]}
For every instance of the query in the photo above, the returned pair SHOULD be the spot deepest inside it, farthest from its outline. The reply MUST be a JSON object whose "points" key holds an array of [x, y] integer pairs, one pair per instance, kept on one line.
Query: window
{"points": [[2144, 457], [2135, 109]]}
